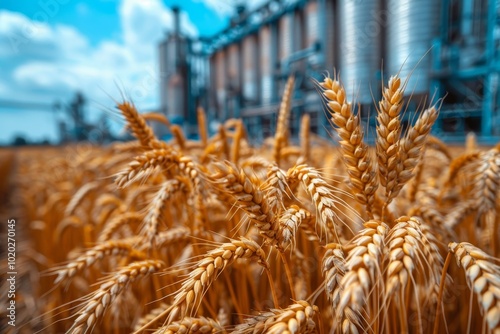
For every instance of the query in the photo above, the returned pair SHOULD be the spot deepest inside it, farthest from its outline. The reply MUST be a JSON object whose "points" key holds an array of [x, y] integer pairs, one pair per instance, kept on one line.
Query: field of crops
{"points": [[217, 236]]}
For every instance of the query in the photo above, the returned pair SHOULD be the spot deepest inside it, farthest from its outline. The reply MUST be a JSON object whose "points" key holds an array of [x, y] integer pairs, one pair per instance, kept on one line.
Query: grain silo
{"points": [[411, 27], [359, 48]]}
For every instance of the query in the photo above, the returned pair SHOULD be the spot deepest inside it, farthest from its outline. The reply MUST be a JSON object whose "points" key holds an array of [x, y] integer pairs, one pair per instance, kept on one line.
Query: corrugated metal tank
{"points": [[265, 64], [329, 38], [285, 36], [412, 24], [220, 80], [360, 47], [249, 66], [163, 76], [312, 27], [233, 66]]}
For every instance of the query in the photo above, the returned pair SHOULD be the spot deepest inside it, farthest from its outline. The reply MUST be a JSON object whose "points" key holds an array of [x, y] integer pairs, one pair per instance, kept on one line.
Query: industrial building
{"points": [[449, 47]]}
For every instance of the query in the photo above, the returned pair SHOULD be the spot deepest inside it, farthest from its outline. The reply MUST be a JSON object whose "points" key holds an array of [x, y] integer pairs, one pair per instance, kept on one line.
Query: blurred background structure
{"points": [[450, 47]]}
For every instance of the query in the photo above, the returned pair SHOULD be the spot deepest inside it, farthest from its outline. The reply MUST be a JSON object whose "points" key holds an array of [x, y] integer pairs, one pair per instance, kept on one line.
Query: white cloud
{"points": [[145, 22], [221, 7], [228, 7], [42, 62]]}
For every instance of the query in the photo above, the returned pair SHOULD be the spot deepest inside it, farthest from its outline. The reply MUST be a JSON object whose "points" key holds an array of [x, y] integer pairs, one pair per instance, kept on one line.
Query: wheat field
{"points": [[218, 236]]}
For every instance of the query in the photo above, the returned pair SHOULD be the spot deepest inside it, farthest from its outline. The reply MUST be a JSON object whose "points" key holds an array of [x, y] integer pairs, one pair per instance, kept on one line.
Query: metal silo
{"points": [[412, 24], [220, 82], [249, 69], [328, 29], [360, 47], [233, 72], [312, 27], [285, 36], [265, 64]]}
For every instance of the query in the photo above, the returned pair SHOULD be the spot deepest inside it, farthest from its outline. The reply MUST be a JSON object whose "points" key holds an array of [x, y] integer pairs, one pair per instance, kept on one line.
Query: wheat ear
{"points": [[101, 299], [143, 166], [191, 325], [334, 269], [305, 138], [156, 117], [248, 196], [289, 222], [99, 252], [156, 208], [149, 316], [202, 126], [116, 222], [79, 196], [139, 127], [360, 289], [483, 278], [458, 164], [281, 136], [189, 296], [326, 202], [359, 165], [388, 131], [296, 318], [179, 136], [411, 151]]}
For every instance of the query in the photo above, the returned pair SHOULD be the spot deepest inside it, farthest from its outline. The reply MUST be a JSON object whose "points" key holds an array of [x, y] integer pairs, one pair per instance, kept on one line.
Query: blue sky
{"points": [[51, 48]]}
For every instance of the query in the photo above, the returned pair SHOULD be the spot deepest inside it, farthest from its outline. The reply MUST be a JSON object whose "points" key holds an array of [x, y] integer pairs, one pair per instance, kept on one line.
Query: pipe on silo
{"points": [[177, 21]]}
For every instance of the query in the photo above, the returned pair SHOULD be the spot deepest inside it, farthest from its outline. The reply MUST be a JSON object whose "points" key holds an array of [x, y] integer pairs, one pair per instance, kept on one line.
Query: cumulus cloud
{"points": [[145, 22], [44, 62], [227, 7]]}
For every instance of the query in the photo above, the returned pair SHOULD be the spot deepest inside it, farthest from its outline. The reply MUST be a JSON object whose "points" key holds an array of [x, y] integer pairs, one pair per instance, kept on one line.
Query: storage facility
{"points": [[450, 48]]}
